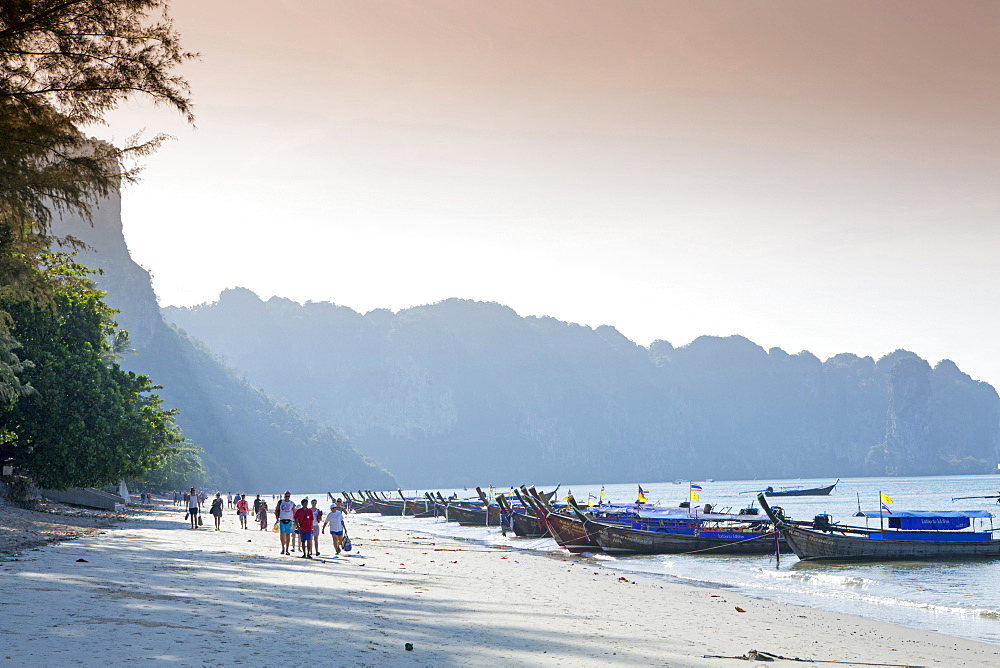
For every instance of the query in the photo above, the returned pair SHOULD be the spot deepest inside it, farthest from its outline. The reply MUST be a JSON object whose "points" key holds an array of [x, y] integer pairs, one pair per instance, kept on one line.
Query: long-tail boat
{"points": [[359, 505], [658, 532], [472, 514], [569, 532], [404, 506], [799, 491], [911, 535], [526, 521]]}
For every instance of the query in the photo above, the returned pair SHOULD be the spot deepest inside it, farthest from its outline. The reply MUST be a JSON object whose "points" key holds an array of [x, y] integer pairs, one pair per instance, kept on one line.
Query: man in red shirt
{"points": [[304, 520]]}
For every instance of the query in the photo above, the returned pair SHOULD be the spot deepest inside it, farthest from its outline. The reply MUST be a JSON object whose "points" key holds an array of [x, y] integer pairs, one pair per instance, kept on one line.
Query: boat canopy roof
{"points": [[696, 513], [929, 513]]}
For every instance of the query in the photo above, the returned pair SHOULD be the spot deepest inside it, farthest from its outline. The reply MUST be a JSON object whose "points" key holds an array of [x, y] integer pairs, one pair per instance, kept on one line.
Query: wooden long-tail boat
{"points": [[410, 507], [621, 539], [673, 533], [528, 522], [912, 535], [796, 491], [569, 532], [359, 505]]}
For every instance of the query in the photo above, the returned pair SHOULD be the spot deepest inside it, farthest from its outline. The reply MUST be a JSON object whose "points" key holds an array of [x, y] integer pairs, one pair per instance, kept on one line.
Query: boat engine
{"points": [[823, 523]]}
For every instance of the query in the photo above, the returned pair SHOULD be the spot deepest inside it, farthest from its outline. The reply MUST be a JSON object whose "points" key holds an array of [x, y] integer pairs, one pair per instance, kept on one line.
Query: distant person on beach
{"points": [[304, 521], [335, 520], [284, 512], [261, 514], [256, 505], [317, 518], [242, 508], [229, 499], [216, 510], [193, 507]]}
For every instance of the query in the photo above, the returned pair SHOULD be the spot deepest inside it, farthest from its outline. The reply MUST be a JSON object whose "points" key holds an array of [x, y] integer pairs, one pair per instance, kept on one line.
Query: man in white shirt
{"points": [[284, 512]]}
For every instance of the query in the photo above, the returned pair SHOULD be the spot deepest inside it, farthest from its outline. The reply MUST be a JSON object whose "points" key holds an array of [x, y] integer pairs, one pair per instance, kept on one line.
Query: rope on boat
{"points": [[737, 542], [755, 655]]}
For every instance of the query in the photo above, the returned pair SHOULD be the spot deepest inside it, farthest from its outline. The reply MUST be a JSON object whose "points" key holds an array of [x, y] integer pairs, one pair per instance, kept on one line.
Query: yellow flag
{"points": [[695, 496], [885, 498]]}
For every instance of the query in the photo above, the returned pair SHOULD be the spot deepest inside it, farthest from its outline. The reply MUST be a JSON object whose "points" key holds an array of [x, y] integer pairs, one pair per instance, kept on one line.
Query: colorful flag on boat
{"points": [[642, 496], [885, 509], [602, 495], [695, 492], [569, 495], [885, 498], [591, 499]]}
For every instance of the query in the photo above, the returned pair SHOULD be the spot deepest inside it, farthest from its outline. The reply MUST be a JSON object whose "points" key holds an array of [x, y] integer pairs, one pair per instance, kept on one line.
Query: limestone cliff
{"points": [[464, 392], [251, 443]]}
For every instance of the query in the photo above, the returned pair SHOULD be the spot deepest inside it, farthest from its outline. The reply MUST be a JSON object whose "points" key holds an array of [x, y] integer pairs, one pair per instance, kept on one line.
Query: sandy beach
{"points": [[157, 592]]}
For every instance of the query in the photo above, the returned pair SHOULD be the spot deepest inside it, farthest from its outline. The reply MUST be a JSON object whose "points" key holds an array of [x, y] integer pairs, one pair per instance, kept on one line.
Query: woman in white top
{"points": [[193, 508], [335, 520]]}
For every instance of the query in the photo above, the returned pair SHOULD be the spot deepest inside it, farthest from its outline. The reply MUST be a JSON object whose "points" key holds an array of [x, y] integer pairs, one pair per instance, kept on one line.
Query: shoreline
{"points": [[155, 590]]}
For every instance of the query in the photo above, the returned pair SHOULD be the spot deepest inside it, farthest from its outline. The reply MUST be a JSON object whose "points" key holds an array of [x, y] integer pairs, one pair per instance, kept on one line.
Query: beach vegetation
{"points": [[88, 422], [181, 467]]}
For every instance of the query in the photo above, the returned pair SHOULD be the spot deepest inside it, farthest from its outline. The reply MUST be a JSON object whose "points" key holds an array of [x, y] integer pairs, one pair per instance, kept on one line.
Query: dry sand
{"points": [[21, 529], [158, 592]]}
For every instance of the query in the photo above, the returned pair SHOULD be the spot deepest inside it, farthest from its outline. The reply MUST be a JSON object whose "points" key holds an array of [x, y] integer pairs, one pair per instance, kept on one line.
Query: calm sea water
{"points": [[958, 598]]}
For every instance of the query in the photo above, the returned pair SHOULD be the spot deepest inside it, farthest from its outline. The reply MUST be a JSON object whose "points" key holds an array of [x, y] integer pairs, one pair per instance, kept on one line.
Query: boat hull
{"points": [[814, 545], [528, 526], [474, 517], [816, 491], [409, 509], [571, 534], [626, 540]]}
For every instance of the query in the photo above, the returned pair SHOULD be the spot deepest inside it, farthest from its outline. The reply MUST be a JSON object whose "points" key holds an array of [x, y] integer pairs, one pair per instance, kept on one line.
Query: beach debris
{"points": [[739, 609], [755, 655], [82, 560], [408, 647]]}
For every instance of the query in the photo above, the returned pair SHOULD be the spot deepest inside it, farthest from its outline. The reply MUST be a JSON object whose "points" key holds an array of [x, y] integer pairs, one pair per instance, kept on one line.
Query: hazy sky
{"points": [[816, 175]]}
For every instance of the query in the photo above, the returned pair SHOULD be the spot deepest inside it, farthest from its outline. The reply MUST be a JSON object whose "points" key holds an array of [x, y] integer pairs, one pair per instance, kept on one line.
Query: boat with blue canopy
{"points": [[901, 535]]}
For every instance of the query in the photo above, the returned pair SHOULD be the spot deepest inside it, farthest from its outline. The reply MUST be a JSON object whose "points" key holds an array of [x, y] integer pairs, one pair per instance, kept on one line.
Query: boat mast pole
{"points": [[881, 515]]}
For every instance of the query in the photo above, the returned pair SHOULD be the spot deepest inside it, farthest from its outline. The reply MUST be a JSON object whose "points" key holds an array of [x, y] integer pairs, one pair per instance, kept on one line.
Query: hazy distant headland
{"points": [[463, 392]]}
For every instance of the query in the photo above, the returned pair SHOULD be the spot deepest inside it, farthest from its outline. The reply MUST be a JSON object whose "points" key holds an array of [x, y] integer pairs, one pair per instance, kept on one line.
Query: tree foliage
{"points": [[89, 422], [182, 467], [64, 64]]}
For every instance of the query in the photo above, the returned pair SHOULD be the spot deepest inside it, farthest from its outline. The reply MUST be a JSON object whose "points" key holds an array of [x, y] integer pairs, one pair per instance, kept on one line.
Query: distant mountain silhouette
{"points": [[464, 392], [252, 443]]}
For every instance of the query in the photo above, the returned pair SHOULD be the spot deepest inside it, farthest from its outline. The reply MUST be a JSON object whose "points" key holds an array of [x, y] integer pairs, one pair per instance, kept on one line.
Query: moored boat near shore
{"points": [[621, 539], [911, 535]]}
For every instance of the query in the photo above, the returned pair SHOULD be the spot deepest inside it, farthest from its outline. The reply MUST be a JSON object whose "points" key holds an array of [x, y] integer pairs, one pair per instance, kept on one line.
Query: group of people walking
{"points": [[239, 502], [298, 525]]}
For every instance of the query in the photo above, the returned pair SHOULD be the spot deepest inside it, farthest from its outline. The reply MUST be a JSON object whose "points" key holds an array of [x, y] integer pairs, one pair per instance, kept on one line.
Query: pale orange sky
{"points": [[813, 175]]}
